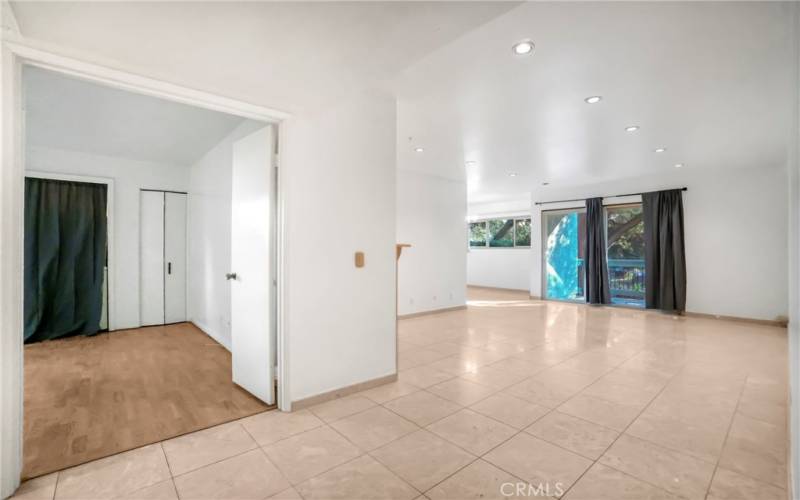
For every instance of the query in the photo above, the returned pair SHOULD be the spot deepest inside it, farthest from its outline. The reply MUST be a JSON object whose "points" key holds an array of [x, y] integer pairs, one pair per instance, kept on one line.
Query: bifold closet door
{"points": [[174, 257], [163, 258], [151, 269]]}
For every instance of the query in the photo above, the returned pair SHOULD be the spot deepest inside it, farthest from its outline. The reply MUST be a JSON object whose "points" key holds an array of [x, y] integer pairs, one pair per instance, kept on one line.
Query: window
{"points": [[522, 233], [477, 234], [500, 233], [563, 241], [625, 243]]}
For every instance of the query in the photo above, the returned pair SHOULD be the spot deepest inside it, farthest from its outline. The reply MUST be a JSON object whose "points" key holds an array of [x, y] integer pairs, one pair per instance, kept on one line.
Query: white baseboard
{"points": [[487, 287], [344, 391], [211, 333], [426, 312]]}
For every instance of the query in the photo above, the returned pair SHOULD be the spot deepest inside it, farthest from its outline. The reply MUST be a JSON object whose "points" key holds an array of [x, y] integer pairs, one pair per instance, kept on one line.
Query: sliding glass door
{"points": [[625, 242], [564, 237]]}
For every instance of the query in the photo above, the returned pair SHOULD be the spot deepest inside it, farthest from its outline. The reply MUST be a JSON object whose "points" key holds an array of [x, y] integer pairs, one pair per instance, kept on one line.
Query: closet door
{"points": [[174, 257], [151, 267]]}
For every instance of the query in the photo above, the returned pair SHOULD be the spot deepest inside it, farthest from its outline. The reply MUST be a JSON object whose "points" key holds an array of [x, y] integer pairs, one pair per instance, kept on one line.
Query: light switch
{"points": [[359, 259]]}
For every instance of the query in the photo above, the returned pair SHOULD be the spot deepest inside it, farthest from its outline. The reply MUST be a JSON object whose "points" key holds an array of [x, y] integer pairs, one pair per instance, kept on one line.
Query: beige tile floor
{"points": [[594, 403]]}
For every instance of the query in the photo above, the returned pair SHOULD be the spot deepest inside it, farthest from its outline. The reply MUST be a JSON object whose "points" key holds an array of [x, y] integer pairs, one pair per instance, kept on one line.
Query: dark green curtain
{"points": [[665, 255], [597, 288], [65, 252]]}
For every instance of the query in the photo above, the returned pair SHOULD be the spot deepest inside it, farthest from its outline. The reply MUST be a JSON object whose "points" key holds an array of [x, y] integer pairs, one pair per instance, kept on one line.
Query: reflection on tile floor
{"points": [[509, 398]]}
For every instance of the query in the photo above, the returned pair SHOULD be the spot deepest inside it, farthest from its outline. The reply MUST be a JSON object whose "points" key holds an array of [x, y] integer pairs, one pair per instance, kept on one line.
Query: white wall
{"points": [[430, 217], [793, 231], [735, 236], [129, 177], [339, 172], [209, 237], [500, 267]]}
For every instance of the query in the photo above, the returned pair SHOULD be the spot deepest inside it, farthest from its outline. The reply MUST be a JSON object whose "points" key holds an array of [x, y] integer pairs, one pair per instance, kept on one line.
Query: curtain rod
{"points": [[604, 197]]}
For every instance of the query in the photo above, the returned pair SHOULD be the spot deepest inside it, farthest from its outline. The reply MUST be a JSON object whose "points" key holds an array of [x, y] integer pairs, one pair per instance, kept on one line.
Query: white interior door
{"points": [[151, 266], [174, 257], [252, 255]]}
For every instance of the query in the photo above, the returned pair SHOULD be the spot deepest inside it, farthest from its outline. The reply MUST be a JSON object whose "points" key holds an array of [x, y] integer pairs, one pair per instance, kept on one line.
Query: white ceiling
{"points": [[66, 113], [711, 82], [291, 56]]}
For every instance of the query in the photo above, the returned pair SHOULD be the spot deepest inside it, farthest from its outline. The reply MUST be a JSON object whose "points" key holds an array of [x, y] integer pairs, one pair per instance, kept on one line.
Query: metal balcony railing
{"points": [[626, 278]]}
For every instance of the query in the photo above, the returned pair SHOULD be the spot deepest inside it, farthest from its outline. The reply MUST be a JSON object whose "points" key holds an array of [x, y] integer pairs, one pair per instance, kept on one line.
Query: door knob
{"points": [[230, 276]]}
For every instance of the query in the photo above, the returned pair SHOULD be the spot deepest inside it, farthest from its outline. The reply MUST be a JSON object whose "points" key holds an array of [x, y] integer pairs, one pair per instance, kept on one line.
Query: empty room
{"points": [[400, 250], [128, 318]]}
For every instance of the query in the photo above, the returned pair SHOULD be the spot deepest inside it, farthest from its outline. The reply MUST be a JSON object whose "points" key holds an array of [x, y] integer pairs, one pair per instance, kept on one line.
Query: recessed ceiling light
{"points": [[471, 163], [678, 165], [512, 174], [593, 99], [419, 150], [523, 48], [660, 150], [631, 128]]}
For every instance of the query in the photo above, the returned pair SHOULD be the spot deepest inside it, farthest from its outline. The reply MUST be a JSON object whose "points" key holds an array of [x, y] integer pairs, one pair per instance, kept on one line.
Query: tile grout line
{"points": [[551, 410], [518, 431], [266, 456], [361, 454], [669, 380], [215, 462], [623, 433], [476, 457], [419, 428], [55, 487], [432, 422], [727, 434], [481, 457], [169, 468], [175, 488], [166, 459], [367, 453]]}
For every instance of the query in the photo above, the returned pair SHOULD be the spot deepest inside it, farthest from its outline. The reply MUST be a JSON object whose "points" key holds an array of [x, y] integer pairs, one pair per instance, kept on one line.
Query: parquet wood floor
{"points": [[91, 397]]}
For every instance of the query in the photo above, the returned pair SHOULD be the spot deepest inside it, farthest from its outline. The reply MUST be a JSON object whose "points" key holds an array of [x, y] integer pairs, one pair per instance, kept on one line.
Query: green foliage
{"points": [[477, 234], [625, 233], [523, 232], [501, 233]]}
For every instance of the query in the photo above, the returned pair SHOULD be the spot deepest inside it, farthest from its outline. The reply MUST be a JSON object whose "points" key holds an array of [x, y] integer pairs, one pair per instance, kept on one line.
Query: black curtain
{"points": [[65, 252], [665, 257], [597, 290]]}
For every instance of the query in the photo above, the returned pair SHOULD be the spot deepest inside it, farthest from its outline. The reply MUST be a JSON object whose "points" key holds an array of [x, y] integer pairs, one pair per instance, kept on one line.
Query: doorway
{"points": [[15, 57], [563, 247], [198, 206]]}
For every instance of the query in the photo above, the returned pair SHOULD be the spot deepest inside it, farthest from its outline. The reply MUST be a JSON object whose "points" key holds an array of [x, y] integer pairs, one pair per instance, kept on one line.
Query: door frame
{"points": [[543, 250], [14, 54]]}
